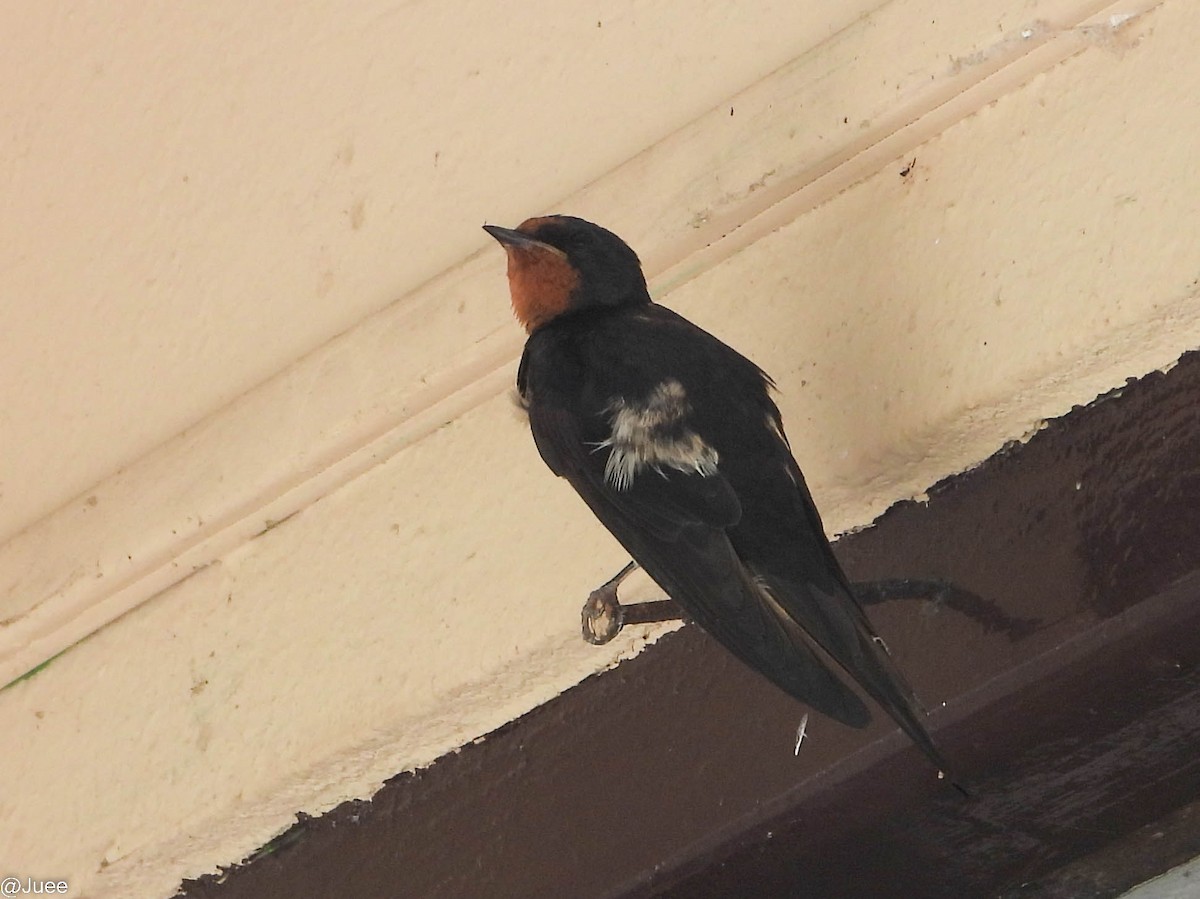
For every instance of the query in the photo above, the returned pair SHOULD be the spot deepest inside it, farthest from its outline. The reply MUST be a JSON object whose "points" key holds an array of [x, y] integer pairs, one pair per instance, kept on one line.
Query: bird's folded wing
{"points": [[673, 523]]}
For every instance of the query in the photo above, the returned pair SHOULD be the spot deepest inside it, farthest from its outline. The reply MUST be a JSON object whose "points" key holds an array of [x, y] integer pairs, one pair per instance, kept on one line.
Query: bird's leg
{"points": [[603, 616]]}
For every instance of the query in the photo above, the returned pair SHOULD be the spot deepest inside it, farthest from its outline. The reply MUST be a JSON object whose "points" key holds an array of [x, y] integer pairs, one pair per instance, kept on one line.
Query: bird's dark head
{"points": [[559, 264]]}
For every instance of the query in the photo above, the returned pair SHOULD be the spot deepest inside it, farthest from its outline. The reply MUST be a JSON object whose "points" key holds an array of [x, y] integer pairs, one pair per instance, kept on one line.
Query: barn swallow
{"points": [[673, 440]]}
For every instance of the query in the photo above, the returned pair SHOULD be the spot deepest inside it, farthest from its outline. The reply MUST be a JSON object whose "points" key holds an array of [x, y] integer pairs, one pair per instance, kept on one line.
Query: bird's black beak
{"points": [[510, 238], [519, 240]]}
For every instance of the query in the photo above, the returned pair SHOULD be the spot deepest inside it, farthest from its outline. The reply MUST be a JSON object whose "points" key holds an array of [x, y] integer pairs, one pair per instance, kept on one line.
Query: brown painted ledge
{"points": [[1072, 710]]}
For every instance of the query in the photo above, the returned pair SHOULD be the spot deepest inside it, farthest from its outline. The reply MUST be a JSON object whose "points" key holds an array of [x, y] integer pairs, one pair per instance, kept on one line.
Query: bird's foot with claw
{"points": [[602, 616]]}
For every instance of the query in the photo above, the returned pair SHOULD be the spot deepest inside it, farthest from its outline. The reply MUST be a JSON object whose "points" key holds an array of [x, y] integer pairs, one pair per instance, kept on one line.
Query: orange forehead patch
{"points": [[541, 282]]}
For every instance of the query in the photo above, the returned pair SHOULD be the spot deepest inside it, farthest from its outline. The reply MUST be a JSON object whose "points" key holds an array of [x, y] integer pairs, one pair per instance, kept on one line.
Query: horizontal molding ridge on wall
{"points": [[774, 151]]}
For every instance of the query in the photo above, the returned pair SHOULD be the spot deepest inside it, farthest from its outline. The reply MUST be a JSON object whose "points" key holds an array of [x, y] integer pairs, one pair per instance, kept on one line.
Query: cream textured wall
{"points": [[197, 194], [1038, 253]]}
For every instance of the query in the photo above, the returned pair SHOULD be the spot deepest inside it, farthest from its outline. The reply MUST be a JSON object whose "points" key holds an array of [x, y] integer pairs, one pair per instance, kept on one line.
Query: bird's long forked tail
{"points": [[793, 633], [836, 623]]}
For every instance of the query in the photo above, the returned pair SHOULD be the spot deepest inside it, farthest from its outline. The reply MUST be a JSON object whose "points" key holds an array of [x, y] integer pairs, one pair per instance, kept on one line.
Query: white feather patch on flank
{"points": [[653, 434]]}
